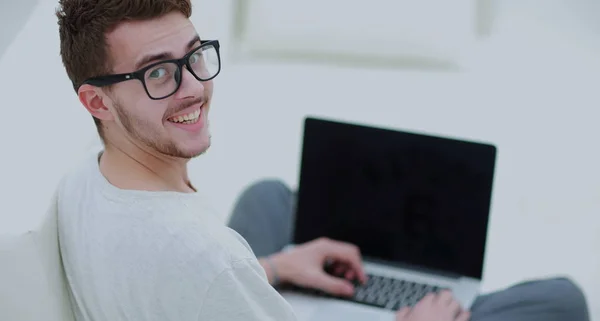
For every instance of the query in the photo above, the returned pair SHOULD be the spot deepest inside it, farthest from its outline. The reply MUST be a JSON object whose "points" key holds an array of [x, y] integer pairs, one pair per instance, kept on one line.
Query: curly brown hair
{"points": [[83, 25]]}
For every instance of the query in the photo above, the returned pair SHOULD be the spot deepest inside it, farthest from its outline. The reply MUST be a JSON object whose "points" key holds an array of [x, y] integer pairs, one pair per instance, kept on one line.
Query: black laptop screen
{"points": [[401, 197]]}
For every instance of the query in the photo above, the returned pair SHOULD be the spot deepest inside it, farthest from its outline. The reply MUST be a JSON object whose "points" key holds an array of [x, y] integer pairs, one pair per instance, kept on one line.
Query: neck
{"points": [[129, 166]]}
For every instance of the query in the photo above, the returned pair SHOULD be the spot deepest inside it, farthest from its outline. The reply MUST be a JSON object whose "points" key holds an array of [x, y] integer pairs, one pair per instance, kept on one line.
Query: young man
{"points": [[137, 243]]}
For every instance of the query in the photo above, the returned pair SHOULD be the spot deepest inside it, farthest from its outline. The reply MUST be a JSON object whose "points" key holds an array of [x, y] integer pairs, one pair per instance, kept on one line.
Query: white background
{"points": [[532, 88]]}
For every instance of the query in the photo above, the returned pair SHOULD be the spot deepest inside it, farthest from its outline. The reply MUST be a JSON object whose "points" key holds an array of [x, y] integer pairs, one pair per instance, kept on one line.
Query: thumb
{"points": [[331, 285], [402, 315]]}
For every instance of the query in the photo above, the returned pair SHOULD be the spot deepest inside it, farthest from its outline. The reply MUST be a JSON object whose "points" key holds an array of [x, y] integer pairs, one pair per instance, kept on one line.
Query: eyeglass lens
{"points": [[163, 80]]}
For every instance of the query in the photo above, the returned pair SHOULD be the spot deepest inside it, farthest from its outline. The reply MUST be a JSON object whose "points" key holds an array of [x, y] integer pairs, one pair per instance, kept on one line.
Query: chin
{"points": [[197, 150]]}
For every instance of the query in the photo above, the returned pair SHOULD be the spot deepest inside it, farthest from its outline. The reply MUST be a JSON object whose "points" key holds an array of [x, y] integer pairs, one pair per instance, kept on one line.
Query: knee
{"points": [[268, 200], [566, 295], [266, 188], [267, 193]]}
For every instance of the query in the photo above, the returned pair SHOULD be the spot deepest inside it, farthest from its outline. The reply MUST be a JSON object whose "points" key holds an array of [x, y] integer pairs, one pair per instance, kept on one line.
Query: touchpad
{"points": [[346, 311]]}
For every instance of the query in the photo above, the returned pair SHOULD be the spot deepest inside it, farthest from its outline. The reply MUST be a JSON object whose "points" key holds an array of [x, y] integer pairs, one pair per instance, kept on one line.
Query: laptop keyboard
{"points": [[383, 292]]}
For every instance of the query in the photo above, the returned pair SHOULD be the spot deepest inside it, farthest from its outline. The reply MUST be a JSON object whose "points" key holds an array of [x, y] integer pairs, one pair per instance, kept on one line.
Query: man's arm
{"points": [[239, 294], [270, 269], [304, 266]]}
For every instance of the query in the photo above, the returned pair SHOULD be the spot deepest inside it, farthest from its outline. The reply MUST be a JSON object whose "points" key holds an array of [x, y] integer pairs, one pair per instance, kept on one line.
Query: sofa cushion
{"points": [[32, 279]]}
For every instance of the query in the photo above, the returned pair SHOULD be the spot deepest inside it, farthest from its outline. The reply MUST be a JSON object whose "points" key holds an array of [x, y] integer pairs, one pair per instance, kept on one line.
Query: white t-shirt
{"points": [[155, 256]]}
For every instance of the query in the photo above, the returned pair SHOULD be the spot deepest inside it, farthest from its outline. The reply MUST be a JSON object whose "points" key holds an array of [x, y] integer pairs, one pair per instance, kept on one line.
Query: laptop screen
{"points": [[401, 197]]}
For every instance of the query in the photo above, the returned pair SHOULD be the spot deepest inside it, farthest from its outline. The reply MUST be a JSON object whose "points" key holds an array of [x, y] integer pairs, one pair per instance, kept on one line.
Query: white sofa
{"points": [[32, 281]]}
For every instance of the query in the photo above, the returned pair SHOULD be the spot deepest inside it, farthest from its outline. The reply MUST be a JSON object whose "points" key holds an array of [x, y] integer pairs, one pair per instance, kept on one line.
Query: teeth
{"points": [[189, 118]]}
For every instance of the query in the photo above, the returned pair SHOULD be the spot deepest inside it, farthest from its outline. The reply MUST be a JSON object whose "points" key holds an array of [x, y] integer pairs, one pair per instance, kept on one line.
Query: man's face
{"points": [[151, 122]]}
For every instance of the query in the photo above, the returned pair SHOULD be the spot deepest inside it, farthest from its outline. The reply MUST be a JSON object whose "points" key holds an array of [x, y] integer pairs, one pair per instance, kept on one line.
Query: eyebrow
{"points": [[163, 55]]}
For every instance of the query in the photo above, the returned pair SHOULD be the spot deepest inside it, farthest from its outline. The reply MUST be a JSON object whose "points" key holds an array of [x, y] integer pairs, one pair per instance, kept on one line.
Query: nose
{"points": [[190, 87]]}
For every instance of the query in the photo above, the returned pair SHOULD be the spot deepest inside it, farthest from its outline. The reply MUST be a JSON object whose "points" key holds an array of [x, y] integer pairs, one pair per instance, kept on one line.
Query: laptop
{"points": [[416, 205]]}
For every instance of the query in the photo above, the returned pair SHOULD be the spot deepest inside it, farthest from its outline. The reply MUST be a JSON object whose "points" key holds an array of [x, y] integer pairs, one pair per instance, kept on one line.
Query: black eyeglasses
{"points": [[162, 79]]}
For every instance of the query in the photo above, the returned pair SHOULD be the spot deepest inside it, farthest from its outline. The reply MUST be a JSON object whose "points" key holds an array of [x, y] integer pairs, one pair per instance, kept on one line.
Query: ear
{"points": [[92, 99]]}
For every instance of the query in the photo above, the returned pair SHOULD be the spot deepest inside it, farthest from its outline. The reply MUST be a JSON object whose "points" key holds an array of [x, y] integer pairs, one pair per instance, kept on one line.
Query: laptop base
{"points": [[313, 306]]}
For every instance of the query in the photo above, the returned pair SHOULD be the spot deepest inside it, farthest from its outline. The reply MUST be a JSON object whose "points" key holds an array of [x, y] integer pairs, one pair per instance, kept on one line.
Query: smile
{"points": [[190, 118]]}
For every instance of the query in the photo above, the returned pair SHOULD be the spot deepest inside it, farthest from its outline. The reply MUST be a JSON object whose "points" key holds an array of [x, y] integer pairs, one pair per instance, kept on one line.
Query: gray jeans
{"points": [[263, 215]]}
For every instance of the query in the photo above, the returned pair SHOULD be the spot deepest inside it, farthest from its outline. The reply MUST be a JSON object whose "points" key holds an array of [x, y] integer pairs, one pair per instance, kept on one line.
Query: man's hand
{"points": [[304, 266], [434, 307]]}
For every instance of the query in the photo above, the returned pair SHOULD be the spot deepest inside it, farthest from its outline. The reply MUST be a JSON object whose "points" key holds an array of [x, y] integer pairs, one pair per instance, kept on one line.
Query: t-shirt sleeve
{"points": [[240, 292]]}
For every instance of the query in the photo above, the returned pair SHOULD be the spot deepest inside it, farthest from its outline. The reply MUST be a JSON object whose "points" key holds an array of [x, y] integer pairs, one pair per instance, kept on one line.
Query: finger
{"points": [[445, 297], [346, 253], [427, 300], [402, 314], [339, 269], [344, 271], [332, 285], [350, 275], [464, 316], [455, 308]]}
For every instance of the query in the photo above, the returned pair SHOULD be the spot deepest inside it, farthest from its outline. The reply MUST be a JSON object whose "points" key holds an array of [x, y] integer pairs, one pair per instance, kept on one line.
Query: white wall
{"points": [[531, 88], [52, 128], [13, 16]]}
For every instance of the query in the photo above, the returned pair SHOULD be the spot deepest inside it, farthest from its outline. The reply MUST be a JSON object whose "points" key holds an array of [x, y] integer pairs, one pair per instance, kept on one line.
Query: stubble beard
{"points": [[151, 138]]}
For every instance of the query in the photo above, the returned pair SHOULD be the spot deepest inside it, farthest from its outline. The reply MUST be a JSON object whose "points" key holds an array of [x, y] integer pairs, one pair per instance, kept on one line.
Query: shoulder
{"points": [[81, 179], [75, 196]]}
